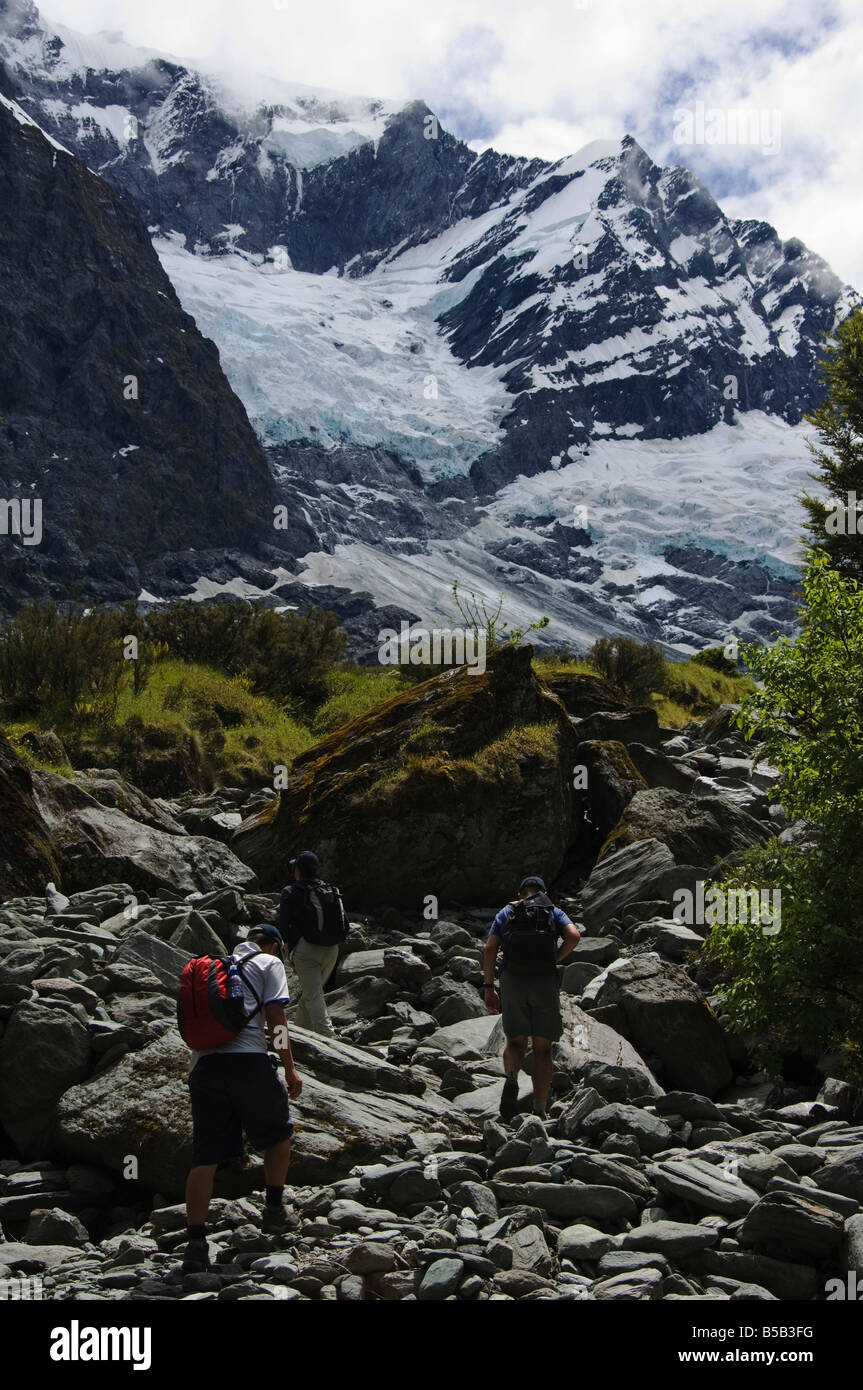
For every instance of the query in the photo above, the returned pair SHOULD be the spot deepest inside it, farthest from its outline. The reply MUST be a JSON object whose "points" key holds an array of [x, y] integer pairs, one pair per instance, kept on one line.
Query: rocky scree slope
{"points": [[665, 1170]]}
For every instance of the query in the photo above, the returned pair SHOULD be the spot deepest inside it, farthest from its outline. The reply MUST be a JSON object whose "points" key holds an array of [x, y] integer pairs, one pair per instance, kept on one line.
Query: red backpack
{"points": [[211, 1008]]}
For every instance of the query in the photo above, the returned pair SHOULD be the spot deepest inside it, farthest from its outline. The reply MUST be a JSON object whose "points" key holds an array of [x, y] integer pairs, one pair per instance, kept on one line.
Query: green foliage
{"points": [[839, 453], [715, 658], [804, 986], [285, 655], [639, 668], [352, 691], [57, 655], [480, 617]]}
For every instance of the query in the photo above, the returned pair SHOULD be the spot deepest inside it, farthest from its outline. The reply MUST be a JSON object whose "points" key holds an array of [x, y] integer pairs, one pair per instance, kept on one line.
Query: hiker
{"points": [[235, 1086], [314, 923], [528, 930]]}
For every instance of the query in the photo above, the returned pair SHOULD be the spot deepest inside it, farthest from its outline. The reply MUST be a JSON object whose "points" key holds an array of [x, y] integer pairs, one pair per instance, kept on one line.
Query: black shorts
{"points": [[233, 1093]]}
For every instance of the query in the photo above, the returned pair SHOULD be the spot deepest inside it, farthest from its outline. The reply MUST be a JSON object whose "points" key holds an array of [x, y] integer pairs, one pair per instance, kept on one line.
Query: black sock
{"points": [[274, 1196], [196, 1232]]}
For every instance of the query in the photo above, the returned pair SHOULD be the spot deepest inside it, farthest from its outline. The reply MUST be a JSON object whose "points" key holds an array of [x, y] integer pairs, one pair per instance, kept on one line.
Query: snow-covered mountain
{"points": [[576, 383]]}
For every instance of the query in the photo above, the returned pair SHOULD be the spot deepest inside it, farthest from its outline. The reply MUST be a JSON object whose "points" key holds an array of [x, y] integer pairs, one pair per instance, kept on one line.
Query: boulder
{"points": [[670, 1238], [651, 1134], [667, 1016], [583, 1041], [636, 873], [583, 1243], [27, 859], [843, 1173], [704, 1185], [611, 783], [43, 1052], [582, 694], [109, 788], [158, 957], [140, 1107], [436, 786], [658, 770], [100, 844], [696, 830], [637, 725], [792, 1226]]}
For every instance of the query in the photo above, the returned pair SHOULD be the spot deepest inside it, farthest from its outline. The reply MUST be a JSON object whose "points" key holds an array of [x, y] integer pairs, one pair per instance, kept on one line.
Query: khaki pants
{"points": [[314, 965]]}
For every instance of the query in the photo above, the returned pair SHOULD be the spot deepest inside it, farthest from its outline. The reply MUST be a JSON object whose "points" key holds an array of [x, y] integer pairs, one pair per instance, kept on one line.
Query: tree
{"points": [[802, 986], [637, 667], [832, 525]]}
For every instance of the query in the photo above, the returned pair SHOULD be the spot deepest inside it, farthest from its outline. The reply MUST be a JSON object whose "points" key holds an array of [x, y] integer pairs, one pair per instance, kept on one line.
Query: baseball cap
{"points": [[307, 862], [270, 933], [530, 882]]}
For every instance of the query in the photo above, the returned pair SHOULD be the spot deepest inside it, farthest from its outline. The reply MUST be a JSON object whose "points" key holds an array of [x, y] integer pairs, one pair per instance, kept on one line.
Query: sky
{"points": [[760, 98]]}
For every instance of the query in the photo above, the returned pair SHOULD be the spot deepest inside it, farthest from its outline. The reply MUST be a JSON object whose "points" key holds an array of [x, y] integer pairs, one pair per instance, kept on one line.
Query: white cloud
{"points": [[543, 79]]}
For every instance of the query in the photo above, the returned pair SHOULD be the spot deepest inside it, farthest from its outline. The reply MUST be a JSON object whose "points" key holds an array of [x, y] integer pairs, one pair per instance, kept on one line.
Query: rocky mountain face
{"points": [[578, 384], [666, 1167], [117, 421]]}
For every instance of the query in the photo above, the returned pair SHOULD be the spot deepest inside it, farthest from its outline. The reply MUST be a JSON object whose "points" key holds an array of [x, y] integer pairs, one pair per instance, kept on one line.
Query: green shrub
{"points": [[639, 668], [715, 658]]}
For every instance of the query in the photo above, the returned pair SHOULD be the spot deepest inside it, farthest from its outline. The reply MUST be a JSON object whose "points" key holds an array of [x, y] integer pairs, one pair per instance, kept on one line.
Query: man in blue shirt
{"points": [[529, 931]]}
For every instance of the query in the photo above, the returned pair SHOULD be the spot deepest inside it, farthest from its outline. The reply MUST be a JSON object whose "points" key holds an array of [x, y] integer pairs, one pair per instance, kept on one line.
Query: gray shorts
{"points": [[530, 1006]]}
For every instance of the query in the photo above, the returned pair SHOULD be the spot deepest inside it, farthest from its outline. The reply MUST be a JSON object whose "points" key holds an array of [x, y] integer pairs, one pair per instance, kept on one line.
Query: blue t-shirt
{"points": [[559, 917]]}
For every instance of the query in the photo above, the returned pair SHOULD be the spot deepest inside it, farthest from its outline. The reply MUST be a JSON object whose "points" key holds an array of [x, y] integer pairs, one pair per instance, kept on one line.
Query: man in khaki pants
{"points": [[313, 923]]}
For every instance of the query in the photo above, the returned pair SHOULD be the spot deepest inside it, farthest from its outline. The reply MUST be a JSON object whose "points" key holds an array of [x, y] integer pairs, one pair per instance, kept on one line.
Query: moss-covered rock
{"points": [[456, 788], [27, 862], [697, 830], [583, 694], [611, 778]]}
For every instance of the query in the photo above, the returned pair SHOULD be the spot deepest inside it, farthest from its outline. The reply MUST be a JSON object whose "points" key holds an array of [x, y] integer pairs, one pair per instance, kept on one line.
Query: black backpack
{"points": [[530, 937], [323, 919]]}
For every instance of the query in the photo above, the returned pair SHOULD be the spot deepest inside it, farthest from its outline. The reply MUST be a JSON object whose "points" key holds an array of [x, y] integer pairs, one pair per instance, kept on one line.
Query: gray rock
{"points": [[52, 1226], [667, 1016], [93, 841], [628, 1261], [440, 1279], [653, 1134], [43, 1052], [367, 1258], [196, 937], [636, 873], [843, 1174], [571, 1120], [596, 950], [793, 1224], [703, 1185], [854, 1243], [565, 1201], [280, 1266], [529, 1250], [670, 1238], [402, 966], [583, 1243], [30, 1259], [476, 1195], [639, 1285], [577, 976], [784, 1278], [164, 961], [687, 1104]]}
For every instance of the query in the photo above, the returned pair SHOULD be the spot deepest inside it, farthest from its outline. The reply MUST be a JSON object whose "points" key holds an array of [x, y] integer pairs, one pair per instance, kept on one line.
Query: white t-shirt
{"points": [[267, 974]]}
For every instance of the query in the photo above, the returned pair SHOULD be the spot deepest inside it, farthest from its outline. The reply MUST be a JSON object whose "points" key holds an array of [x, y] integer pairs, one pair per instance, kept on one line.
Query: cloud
{"points": [[543, 79]]}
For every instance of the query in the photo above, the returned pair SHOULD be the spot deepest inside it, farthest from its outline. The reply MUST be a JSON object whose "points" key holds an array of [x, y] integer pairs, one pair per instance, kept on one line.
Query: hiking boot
{"points": [[275, 1221], [197, 1257], [509, 1096]]}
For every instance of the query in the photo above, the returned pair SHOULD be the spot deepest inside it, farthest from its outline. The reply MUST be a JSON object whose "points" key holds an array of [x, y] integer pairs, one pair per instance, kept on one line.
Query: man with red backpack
{"points": [[314, 923], [529, 931], [225, 1010]]}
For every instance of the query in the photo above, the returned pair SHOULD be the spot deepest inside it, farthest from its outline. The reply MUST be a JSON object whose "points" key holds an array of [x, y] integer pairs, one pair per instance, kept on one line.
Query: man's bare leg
{"points": [[543, 1065], [199, 1190]]}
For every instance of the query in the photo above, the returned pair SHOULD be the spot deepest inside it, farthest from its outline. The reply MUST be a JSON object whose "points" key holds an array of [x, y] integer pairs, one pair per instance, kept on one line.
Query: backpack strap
{"points": [[259, 1003]]}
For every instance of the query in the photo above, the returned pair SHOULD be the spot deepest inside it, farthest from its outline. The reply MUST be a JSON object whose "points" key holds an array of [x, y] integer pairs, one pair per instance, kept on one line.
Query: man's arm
{"points": [[277, 1028], [571, 938], [489, 956]]}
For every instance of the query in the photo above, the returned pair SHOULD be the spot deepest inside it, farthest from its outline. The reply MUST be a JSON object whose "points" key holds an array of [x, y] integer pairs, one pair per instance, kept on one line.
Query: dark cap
{"points": [[307, 863], [269, 933], [531, 882]]}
